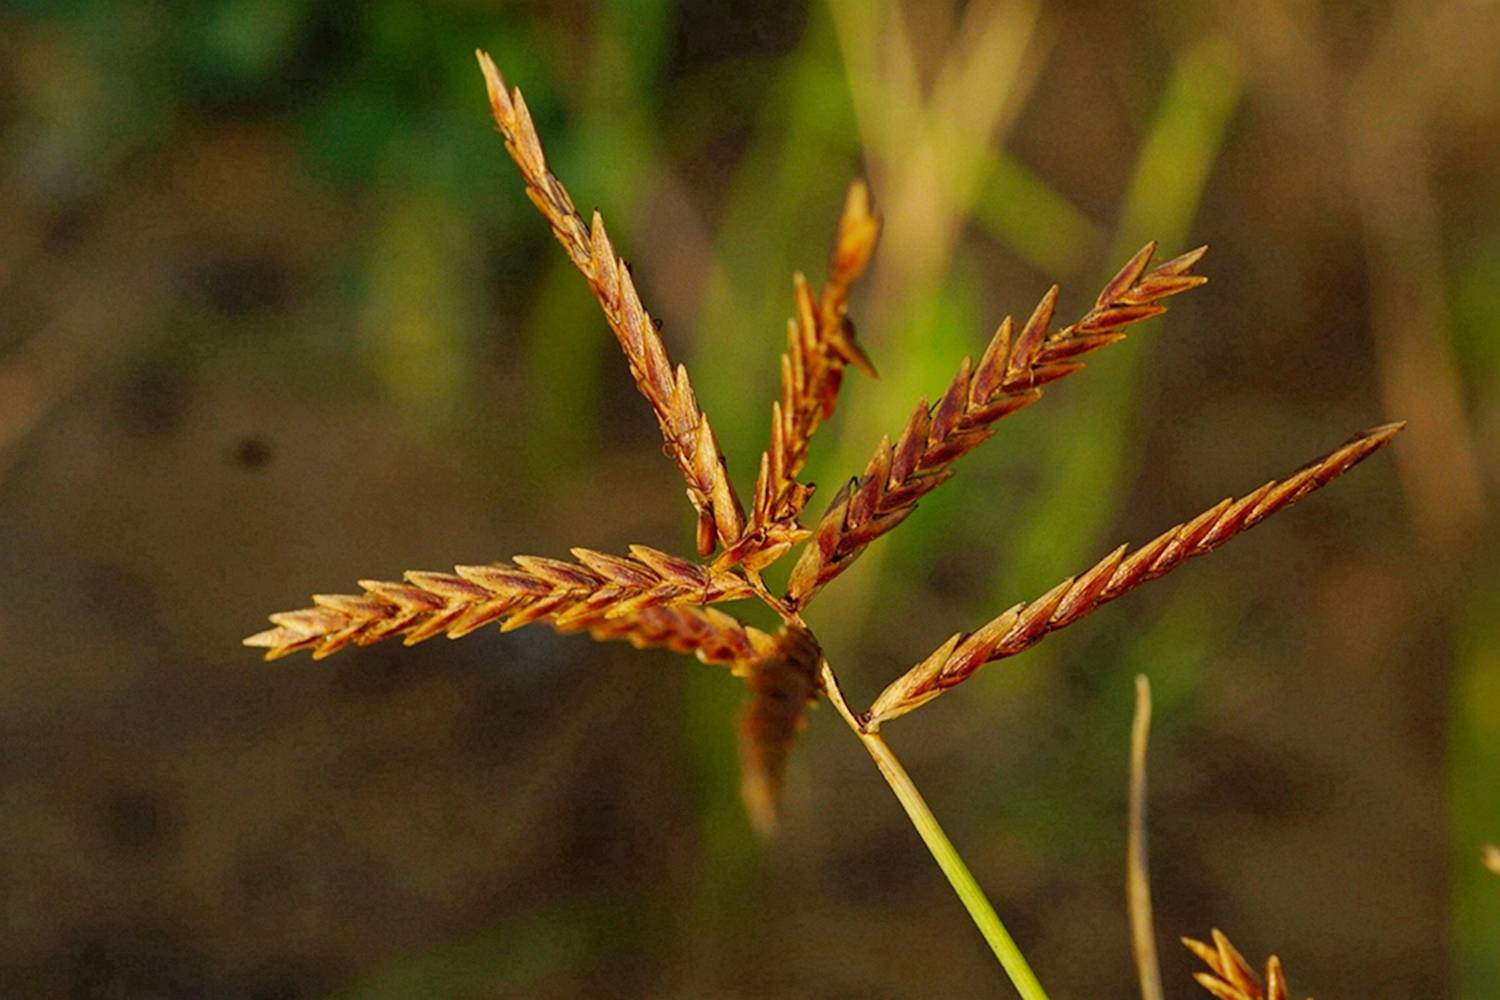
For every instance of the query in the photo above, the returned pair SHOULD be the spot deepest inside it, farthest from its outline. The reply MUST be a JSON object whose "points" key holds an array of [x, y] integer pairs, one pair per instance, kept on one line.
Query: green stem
{"points": [[948, 859], [943, 851]]}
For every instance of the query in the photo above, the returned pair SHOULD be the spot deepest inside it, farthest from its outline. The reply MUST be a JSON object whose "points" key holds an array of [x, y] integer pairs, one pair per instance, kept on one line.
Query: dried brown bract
{"points": [[653, 599], [783, 686], [1232, 978]]}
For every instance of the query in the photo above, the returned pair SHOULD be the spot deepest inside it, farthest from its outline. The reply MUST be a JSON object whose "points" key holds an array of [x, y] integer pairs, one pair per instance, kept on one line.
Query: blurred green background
{"points": [[276, 315]]}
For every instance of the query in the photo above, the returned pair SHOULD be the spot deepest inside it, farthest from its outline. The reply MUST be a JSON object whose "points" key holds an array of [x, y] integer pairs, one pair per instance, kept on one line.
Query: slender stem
{"points": [[1137, 872], [943, 852], [788, 615], [948, 859]]}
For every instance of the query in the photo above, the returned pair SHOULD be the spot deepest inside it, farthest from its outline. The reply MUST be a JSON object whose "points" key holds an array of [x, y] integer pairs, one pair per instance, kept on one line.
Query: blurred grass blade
{"points": [[1088, 445], [1138, 873], [1182, 147], [1035, 221], [1474, 793]]}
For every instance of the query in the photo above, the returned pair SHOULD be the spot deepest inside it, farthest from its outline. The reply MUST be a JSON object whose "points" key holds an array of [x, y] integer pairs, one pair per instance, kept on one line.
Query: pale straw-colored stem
{"points": [[943, 852], [1137, 874]]}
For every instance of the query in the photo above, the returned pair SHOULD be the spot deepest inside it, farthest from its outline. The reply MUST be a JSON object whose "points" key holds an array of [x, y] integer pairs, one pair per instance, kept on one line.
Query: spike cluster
{"points": [[1116, 574], [652, 599], [1009, 377], [600, 592], [820, 343], [1232, 977], [783, 685], [689, 438]]}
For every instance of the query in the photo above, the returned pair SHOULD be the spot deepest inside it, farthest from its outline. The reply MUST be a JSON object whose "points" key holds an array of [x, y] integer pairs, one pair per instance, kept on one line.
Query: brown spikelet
{"points": [[1231, 977], [1026, 624], [707, 633], [588, 594], [689, 439], [783, 685], [820, 344], [1009, 377]]}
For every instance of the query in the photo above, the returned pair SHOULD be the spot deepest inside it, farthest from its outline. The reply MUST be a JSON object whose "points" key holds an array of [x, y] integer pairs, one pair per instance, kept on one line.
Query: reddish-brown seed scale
{"points": [[575, 596], [707, 633], [689, 439], [820, 344], [1009, 377], [1116, 574]]}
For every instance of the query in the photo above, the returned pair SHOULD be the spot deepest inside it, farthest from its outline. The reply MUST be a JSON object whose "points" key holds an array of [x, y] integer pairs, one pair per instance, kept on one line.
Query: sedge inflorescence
{"points": [[655, 599]]}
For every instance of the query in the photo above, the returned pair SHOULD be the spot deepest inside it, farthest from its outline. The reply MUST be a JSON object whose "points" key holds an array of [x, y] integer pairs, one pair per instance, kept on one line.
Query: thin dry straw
{"points": [[820, 344], [1114, 575], [783, 686], [600, 593], [1008, 378], [1232, 977], [1137, 872], [689, 438]]}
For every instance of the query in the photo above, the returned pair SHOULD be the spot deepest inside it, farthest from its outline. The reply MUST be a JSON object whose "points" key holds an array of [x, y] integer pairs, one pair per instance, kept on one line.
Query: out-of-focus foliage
{"points": [[275, 314]]}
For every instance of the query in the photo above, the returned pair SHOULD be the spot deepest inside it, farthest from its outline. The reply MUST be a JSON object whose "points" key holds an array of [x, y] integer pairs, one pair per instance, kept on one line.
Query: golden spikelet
{"points": [[1232, 978], [1026, 624], [820, 344], [1492, 858], [689, 438], [599, 593], [707, 633], [1009, 377]]}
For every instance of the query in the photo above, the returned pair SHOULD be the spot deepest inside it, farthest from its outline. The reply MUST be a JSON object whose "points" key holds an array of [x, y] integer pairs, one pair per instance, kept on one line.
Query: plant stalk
{"points": [[952, 864], [943, 852], [1137, 870]]}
